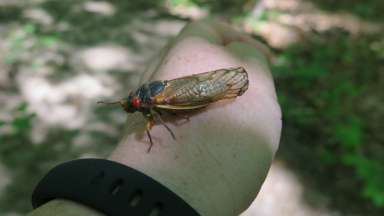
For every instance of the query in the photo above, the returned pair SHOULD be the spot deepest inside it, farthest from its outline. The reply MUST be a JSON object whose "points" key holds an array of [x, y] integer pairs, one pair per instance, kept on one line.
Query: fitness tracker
{"points": [[111, 188]]}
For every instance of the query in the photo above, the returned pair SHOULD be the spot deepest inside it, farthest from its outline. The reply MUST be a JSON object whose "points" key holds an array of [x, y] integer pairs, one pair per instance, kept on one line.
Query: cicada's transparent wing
{"points": [[199, 90]]}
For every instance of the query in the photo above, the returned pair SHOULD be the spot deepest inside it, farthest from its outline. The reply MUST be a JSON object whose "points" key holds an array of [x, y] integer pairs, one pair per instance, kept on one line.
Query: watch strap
{"points": [[111, 188]]}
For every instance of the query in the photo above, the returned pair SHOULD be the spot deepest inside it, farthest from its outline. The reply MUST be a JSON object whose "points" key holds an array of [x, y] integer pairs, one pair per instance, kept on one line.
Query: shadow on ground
{"points": [[62, 57], [370, 10], [330, 89]]}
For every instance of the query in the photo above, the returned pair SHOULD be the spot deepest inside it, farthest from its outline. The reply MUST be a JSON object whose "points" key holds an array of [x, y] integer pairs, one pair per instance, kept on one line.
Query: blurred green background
{"points": [[57, 58]]}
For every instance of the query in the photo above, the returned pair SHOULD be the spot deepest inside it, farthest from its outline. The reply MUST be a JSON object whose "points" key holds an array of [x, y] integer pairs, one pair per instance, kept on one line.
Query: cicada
{"points": [[185, 93]]}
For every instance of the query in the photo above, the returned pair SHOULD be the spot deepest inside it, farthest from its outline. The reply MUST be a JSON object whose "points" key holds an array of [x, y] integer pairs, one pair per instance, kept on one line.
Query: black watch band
{"points": [[111, 188]]}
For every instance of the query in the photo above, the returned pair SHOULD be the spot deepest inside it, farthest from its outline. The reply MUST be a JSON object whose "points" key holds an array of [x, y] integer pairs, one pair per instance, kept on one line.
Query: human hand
{"points": [[221, 156]]}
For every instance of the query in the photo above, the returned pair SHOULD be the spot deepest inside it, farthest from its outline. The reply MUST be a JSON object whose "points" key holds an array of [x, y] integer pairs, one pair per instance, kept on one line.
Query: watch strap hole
{"points": [[156, 210], [116, 186], [136, 198]]}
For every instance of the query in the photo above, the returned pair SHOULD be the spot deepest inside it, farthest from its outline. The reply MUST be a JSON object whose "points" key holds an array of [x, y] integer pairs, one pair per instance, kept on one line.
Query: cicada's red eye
{"points": [[136, 102]]}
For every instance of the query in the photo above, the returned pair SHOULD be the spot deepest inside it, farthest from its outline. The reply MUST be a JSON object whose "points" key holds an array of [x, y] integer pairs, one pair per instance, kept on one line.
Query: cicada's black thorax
{"points": [[147, 91], [142, 99]]}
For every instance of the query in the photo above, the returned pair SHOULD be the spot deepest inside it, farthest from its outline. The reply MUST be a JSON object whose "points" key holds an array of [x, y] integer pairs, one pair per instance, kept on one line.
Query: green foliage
{"points": [[349, 134], [369, 9], [17, 43], [26, 40], [378, 48], [27, 161], [323, 88], [20, 124], [371, 173], [223, 7], [185, 3], [270, 15], [23, 120]]}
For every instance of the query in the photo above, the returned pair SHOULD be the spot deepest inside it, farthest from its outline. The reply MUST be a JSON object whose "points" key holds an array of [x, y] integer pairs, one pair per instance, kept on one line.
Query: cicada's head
{"points": [[130, 104]]}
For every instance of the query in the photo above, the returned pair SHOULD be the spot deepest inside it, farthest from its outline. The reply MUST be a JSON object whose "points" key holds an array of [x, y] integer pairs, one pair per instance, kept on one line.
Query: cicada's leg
{"points": [[155, 113], [158, 111], [149, 125], [176, 114], [150, 140]]}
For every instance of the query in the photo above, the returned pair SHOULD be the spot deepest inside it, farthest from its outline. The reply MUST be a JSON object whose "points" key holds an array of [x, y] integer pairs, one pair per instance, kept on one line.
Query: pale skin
{"points": [[221, 155]]}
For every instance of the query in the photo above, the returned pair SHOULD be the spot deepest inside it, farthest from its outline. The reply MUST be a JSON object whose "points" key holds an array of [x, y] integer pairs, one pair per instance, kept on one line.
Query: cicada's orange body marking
{"points": [[185, 93]]}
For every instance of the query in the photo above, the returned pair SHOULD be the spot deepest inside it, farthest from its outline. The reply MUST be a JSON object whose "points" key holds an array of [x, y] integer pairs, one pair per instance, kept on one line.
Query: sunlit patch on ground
{"points": [[187, 10], [65, 103], [38, 15], [107, 57], [283, 194], [287, 22], [100, 7]]}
